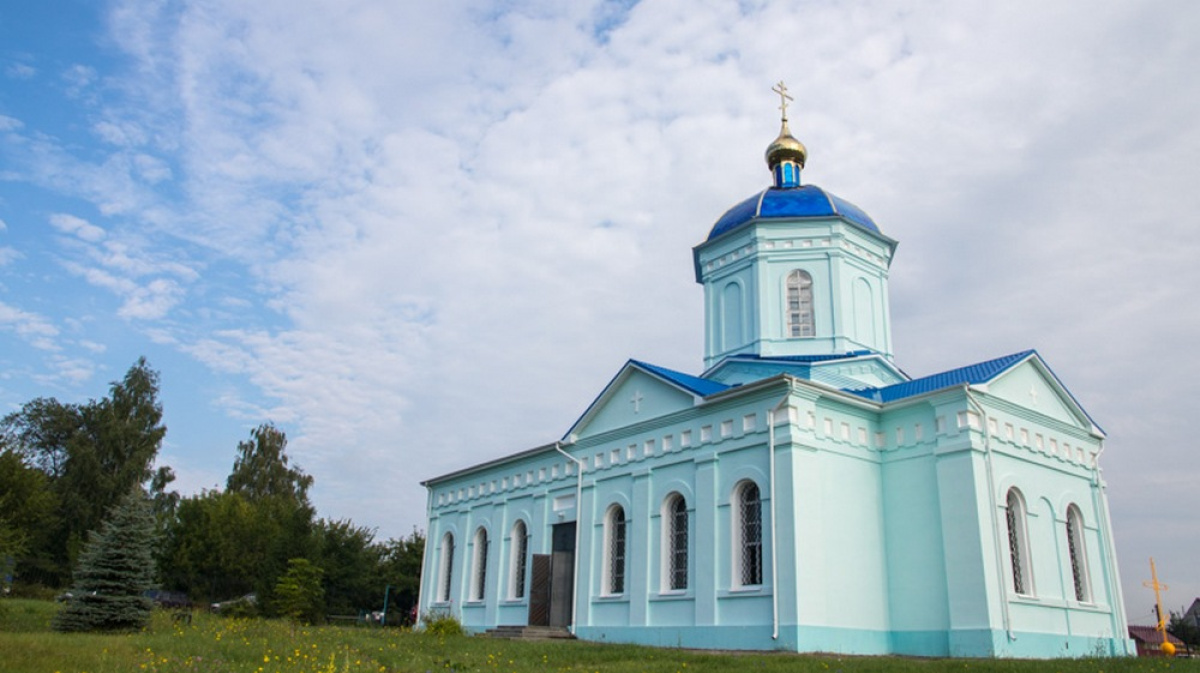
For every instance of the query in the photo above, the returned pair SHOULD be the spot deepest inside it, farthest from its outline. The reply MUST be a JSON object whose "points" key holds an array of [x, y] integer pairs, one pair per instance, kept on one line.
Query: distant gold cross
{"points": [[781, 89]]}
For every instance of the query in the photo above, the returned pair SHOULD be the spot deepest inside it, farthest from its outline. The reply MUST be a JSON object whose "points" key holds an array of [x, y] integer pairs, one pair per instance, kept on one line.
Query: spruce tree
{"points": [[115, 569]]}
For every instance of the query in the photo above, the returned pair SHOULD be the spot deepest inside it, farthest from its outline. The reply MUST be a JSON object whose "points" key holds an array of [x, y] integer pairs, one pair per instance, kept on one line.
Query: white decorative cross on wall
{"points": [[636, 401], [1033, 395]]}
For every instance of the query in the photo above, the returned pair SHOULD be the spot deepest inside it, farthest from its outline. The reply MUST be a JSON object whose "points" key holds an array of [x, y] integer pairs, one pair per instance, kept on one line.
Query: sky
{"points": [[417, 236]]}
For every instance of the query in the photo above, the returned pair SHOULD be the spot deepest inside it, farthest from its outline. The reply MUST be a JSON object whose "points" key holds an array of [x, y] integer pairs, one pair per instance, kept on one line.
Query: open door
{"points": [[553, 580]]}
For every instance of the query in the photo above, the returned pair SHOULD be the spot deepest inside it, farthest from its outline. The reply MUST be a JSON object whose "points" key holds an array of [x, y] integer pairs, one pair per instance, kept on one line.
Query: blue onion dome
{"points": [[791, 203]]}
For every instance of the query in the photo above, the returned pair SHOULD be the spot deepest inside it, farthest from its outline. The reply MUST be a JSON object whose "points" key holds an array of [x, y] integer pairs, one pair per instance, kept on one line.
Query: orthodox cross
{"points": [[636, 401], [1033, 395], [1158, 587], [781, 89]]}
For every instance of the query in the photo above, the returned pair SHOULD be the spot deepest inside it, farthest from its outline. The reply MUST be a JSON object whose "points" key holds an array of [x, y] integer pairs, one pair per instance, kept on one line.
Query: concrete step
{"points": [[523, 632]]}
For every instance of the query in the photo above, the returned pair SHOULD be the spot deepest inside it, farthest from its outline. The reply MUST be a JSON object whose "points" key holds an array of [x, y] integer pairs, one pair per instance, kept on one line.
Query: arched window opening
{"points": [[520, 551], [479, 577], [676, 544], [748, 555], [1018, 543], [447, 567], [800, 321], [614, 549], [1078, 553]]}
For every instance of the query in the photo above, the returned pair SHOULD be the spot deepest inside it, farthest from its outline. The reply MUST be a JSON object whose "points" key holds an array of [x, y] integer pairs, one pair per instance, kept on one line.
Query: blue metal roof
{"points": [[802, 358], [693, 384], [980, 372], [803, 201]]}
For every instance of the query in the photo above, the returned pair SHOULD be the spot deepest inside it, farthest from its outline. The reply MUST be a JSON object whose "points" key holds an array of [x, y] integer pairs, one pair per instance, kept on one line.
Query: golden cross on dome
{"points": [[781, 89]]}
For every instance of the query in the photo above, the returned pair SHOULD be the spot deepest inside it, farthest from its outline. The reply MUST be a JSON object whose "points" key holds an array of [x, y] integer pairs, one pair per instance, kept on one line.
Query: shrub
{"points": [[442, 624]]}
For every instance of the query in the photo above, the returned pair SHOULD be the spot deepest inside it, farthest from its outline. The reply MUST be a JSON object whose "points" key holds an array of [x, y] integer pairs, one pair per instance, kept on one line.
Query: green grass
{"points": [[218, 645]]}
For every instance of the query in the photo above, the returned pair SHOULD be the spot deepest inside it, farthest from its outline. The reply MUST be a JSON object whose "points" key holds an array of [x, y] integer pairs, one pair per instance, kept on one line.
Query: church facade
{"points": [[803, 492]]}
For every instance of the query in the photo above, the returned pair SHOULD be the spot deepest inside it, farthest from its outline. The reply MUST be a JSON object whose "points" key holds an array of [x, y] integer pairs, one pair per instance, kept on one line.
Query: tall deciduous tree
{"points": [[93, 453], [27, 506], [402, 570], [116, 568], [352, 562], [261, 470]]}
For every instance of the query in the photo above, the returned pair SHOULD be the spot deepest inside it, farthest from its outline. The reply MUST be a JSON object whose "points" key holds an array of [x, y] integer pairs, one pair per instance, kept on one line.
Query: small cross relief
{"points": [[1033, 395], [636, 401]]}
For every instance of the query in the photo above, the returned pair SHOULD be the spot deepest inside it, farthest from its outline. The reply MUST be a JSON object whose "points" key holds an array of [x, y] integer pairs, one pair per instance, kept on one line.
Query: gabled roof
{"points": [[1151, 635], [693, 386], [974, 375], [978, 373]]}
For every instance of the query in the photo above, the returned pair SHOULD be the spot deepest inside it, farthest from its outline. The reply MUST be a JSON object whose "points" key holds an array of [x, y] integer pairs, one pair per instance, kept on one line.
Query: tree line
{"points": [[65, 470]]}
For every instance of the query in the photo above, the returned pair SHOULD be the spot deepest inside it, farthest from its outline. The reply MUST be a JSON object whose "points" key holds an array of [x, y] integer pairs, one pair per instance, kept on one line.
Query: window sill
{"points": [[748, 590], [672, 596], [611, 598], [513, 601]]}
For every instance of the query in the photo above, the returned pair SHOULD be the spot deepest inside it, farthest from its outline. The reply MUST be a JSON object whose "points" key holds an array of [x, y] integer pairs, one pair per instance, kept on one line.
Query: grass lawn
{"points": [[210, 643]]}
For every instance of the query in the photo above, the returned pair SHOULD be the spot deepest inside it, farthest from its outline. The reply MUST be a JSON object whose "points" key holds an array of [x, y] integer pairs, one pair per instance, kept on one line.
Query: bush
{"points": [[442, 624]]}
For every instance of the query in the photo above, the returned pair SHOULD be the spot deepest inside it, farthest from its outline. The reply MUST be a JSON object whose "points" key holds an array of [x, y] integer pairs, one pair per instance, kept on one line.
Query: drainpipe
{"points": [[578, 525], [424, 561], [1098, 501], [991, 484], [774, 519]]}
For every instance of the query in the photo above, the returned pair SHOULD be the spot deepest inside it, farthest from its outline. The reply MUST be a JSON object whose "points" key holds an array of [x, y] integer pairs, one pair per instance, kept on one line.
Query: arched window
{"points": [[800, 305], [675, 542], [447, 567], [613, 580], [479, 576], [747, 527], [520, 550], [1018, 543], [1078, 553]]}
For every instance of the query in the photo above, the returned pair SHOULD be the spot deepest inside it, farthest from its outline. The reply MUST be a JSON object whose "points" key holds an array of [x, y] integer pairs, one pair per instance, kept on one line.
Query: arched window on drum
{"points": [[800, 322]]}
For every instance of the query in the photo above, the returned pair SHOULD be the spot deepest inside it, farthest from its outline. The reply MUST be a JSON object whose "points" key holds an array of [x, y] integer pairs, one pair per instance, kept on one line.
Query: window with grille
{"points": [[748, 527], [1018, 544], [479, 577], [800, 305], [677, 543], [614, 581], [1078, 553], [520, 550], [447, 567]]}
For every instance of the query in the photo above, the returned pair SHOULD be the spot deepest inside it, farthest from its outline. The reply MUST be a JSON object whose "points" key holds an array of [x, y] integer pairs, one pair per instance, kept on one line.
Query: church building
{"points": [[802, 492]]}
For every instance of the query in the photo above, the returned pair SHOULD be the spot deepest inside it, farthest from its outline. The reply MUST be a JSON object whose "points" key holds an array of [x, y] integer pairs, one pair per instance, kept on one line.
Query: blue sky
{"points": [[418, 237]]}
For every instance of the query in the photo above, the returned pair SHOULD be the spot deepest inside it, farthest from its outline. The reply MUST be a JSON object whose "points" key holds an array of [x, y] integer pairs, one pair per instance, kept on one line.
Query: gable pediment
{"points": [[633, 396], [1033, 386]]}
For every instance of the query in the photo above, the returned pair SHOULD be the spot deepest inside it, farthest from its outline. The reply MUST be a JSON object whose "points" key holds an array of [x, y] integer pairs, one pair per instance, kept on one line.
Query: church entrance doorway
{"points": [[553, 580]]}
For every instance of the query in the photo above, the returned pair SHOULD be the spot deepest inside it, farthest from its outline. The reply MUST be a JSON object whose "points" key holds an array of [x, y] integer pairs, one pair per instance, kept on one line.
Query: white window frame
{"points": [[518, 560], [799, 323], [446, 572], [741, 538], [1020, 562], [615, 523], [671, 551], [479, 565], [1077, 555]]}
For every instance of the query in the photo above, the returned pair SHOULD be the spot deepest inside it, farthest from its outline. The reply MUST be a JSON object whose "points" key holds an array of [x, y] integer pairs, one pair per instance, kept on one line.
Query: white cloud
{"points": [[36, 330], [20, 71], [76, 226]]}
